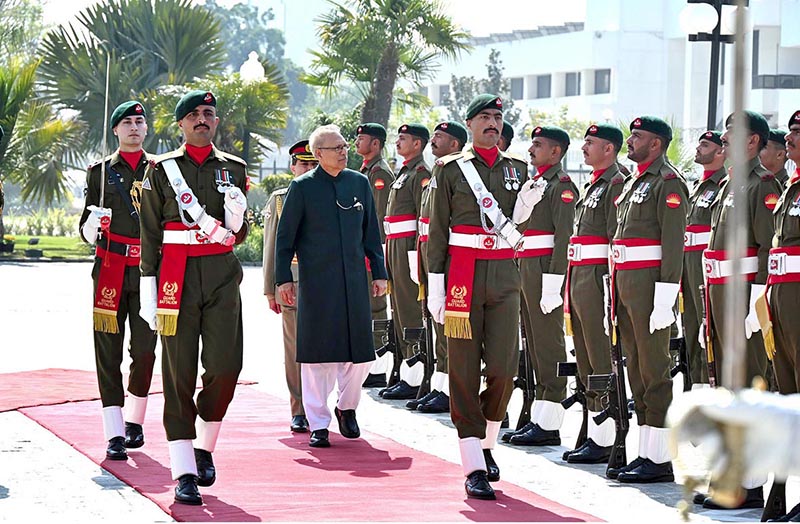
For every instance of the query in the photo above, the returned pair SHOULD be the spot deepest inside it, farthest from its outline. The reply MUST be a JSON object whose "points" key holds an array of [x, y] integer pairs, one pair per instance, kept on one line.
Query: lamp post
{"points": [[703, 21], [251, 71]]}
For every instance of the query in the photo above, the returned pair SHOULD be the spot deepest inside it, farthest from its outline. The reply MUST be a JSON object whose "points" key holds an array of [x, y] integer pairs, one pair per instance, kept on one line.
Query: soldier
{"points": [[448, 138], [595, 224], [302, 161], [773, 156], [479, 304], [762, 192], [400, 225], [116, 280], [543, 264], [193, 208], [506, 136], [647, 259], [698, 230], [369, 144]]}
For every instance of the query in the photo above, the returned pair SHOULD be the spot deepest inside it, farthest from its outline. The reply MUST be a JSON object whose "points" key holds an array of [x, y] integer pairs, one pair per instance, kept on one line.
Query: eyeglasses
{"points": [[338, 149]]}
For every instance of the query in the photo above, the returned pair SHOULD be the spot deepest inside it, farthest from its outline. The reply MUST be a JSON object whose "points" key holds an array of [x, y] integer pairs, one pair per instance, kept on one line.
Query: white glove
{"points": [[413, 266], [94, 221], [606, 302], [148, 298], [235, 207], [529, 195], [436, 296], [551, 292], [701, 336], [751, 324], [663, 301]]}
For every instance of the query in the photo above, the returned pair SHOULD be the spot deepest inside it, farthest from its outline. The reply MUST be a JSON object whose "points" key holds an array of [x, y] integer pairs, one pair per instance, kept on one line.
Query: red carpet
{"points": [[267, 474]]}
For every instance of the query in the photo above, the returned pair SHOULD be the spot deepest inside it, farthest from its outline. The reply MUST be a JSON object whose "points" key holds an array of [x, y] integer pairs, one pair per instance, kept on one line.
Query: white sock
{"points": [[413, 375], [113, 425], [445, 385], [471, 455], [492, 430], [207, 434], [602, 434], [135, 408], [181, 458], [644, 438], [551, 415], [658, 450]]}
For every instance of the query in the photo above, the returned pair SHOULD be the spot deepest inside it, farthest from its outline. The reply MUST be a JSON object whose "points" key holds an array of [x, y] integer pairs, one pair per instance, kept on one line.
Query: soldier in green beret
{"points": [[112, 223], [773, 156], [400, 226], [472, 240], [193, 209], [302, 162], [647, 261], [370, 139], [543, 264], [762, 192], [506, 136], [448, 138]]}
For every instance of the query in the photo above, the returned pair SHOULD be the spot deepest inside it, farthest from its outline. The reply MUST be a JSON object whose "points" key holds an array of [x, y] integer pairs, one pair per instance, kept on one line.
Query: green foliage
{"points": [[17, 80], [252, 249], [53, 247], [574, 127], [347, 120], [244, 28], [21, 26], [274, 182], [465, 88], [52, 222]]}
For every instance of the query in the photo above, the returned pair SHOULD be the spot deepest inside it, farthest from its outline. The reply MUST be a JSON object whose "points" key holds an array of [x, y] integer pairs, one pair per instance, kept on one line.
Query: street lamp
{"points": [[702, 20], [251, 71]]}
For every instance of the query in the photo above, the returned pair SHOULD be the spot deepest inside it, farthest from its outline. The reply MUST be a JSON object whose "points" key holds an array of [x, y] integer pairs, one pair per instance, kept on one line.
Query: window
{"points": [[602, 81], [572, 85], [543, 86], [517, 86]]}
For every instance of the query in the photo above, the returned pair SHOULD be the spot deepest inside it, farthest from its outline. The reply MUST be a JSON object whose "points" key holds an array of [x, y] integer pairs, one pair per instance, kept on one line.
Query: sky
{"points": [[295, 17]]}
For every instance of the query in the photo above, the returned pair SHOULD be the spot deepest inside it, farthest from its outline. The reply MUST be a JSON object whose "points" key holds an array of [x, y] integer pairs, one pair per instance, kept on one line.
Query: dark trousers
{"points": [[406, 310], [784, 306], [693, 315]]}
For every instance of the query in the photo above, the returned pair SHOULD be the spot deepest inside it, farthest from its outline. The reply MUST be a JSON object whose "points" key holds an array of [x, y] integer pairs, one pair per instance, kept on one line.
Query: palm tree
{"points": [[372, 43], [151, 43]]}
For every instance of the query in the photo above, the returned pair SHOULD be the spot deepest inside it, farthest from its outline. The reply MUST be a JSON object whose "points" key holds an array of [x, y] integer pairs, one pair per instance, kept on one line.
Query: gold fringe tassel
{"points": [[568, 325], [105, 322], [167, 325], [762, 311], [388, 287], [680, 302], [421, 294], [457, 327]]}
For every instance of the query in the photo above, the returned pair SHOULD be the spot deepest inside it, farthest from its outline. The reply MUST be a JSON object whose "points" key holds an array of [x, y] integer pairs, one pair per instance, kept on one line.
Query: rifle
{"points": [[385, 328], [775, 506], [422, 338], [570, 369], [712, 366], [525, 380], [680, 359], [615, 398]]}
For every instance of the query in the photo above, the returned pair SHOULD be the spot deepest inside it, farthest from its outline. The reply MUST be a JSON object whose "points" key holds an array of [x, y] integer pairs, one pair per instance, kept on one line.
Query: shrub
{"points": [[251, 250]]}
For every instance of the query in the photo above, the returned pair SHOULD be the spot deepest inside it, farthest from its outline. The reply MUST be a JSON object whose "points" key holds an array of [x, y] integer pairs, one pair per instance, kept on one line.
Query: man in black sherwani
{"points": [[329, 222]]}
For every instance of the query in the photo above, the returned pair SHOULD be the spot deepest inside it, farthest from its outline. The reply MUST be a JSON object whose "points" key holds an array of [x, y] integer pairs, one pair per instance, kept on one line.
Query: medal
{"points": [[508, 186], [515, 185]]}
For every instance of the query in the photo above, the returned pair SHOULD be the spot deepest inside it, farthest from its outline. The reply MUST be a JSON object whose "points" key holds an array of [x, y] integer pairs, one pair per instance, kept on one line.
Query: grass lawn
{"points": [[53, 247]]}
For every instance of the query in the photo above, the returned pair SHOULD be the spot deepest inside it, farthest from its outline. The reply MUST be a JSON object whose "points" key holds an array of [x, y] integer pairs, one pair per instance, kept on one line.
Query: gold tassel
{"points": [[388, 287], [762, 311], [421, 294], [105, 322], [680, 301], [457, 327], [568, 325], [166, 325]]}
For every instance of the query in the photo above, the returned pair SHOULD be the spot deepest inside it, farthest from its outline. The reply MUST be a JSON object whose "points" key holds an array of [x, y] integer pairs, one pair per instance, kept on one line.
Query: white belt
{"points": [[783, 263], [696, 239], [578, 252], [423, 228], [489, 242], [193, 237], [622, 254], [404, 226], [538, 242], [724, 268]]}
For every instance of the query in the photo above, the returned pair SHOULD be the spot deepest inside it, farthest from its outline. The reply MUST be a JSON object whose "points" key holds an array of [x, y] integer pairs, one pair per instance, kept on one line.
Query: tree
{"points": [[244, 28], [373, 43], [21, 25], [574, 127]]}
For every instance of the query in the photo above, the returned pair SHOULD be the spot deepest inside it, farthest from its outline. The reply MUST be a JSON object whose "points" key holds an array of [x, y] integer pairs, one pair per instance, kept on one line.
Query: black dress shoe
{"points": [[116, 449], [206, 472], [383, 391], [492, 469], [536, 436], [648, 472], [508, 434], [186, 491], [348, 426], [613, 473], [439, 404], [375, 380], [417, 402], [505, 424], [754, 498], [590, 453], [478, 487], [134, 436], [319, 439], [299, 424], [699, 497], [566, 454], [402, 392]]}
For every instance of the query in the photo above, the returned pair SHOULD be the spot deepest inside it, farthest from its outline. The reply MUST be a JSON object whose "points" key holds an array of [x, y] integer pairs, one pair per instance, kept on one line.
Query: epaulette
{"points": [[514, 156], [169, 154], [619, 178], [98, 162], [564, 177], [422, 167], [281, 191], [234, 158], [671, 172], [377, 167], [449, 158]]}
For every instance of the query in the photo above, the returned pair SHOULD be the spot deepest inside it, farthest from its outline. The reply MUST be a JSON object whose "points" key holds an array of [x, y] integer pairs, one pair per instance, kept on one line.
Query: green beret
{"points": [[755, 122], [131, 108], [454, 129], [416, 130], [654, 125], [607, 132], [372, 129], [302, 151], [778, 136], [191, 100], [553, 133], [794, 119], [507, 132], [481, 102], [712, 136]]}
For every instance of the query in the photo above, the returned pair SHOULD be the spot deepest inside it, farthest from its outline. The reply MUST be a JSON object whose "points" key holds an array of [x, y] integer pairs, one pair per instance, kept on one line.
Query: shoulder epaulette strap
{"points": [[281, 191], [563, 177], [449, 158], [422, 167], [166, 156], [619, 178], [513, 156], [234, 158], [669, 171], [100, 161]]}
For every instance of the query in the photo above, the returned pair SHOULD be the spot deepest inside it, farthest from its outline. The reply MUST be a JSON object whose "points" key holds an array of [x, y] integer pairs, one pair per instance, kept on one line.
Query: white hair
{"points": [[315, 140]]}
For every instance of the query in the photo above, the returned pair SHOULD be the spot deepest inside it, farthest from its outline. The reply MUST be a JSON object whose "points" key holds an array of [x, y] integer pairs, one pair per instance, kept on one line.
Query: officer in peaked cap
{"points": [[773, 156], [506, 136]]}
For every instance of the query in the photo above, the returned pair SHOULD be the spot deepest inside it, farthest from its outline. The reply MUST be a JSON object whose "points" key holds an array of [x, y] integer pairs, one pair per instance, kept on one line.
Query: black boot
{"points": [[754, 498], [206, 472], [478, 487], [116, 449], [438, 404], [613, 473], [648, 472], [536, 436], [508, 434], [403, 391], [134, 436], [590, 453], [566, 454], [492, 469], [417, 402], [375, 380], [186, 491]]}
